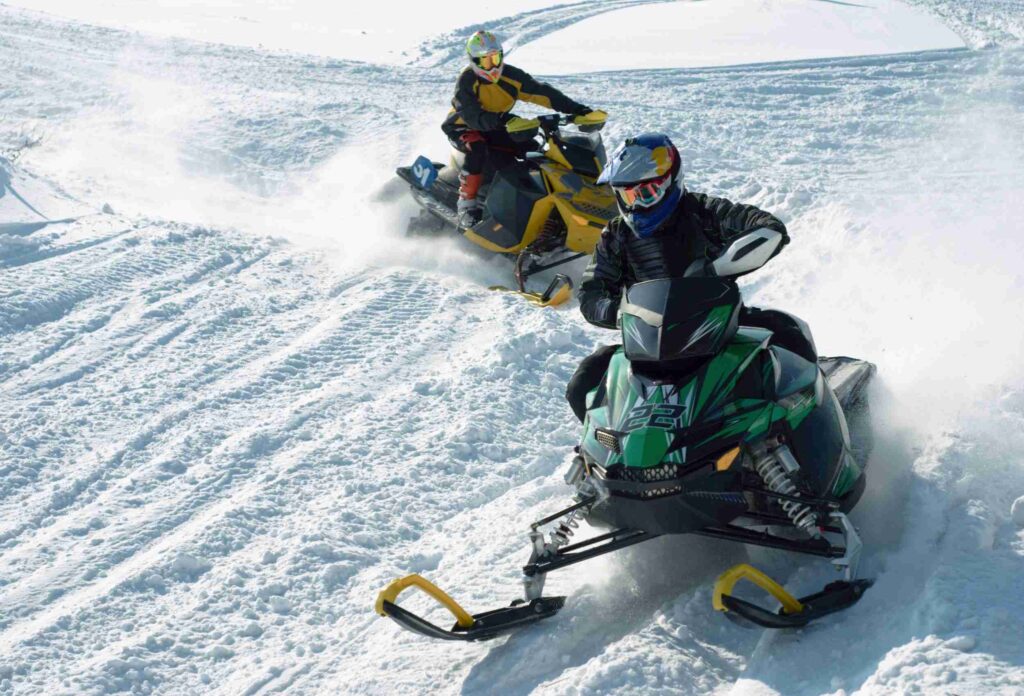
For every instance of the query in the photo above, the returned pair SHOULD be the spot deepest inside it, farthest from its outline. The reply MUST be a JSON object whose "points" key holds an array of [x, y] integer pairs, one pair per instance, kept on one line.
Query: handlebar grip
{"points": [[592, 119]]}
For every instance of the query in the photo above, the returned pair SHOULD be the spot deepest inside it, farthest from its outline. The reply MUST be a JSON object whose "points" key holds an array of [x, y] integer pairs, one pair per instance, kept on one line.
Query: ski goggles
{"points": [[645, 194], [489, 61]]}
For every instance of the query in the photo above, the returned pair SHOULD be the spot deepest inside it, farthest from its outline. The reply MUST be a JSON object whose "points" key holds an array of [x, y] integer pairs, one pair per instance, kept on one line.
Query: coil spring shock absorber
{"points": [[559, 537], [566, 528], [775, 468]]}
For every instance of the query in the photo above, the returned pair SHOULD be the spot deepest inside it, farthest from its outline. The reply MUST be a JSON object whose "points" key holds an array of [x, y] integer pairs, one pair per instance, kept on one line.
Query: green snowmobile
{"points": [[703, 426]]}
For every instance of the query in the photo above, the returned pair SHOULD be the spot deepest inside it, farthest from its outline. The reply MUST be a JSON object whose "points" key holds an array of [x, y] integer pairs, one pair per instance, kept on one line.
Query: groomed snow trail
{"points": [[239, 402]]}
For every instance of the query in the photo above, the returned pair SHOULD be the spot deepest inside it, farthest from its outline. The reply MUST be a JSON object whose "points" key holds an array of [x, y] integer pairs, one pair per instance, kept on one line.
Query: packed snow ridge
{"points": [[236, 400]]}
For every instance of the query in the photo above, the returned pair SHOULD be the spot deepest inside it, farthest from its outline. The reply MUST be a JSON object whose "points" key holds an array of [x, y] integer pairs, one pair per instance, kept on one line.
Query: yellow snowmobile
{"points": [[543, 210]]}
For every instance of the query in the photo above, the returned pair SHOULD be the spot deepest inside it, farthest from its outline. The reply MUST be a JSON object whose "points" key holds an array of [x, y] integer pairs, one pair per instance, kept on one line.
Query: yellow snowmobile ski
{"points": [[558, 292], [794, 612], [481, 626]]}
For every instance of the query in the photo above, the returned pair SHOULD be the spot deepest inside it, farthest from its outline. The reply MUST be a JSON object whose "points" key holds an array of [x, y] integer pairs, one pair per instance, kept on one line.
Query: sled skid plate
{"points": [[484, 626], [794, 612], [558, 292]]}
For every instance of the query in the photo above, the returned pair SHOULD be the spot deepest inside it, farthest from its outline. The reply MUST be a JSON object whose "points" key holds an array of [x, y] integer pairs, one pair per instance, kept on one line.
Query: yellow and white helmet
{"points": [[485, 55]]}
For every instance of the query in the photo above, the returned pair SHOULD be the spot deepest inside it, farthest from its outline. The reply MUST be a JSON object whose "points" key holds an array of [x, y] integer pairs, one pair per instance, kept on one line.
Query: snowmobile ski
{"points": [[558, 292], [794, 613], [483, 626]]}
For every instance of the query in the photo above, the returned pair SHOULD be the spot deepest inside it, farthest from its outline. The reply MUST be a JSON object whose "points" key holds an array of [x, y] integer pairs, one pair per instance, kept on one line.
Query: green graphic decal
{"points": [[596, 418], [621, 394], [848, 475], [800, 407], [724, 369], [714, 324], [645, 447]]}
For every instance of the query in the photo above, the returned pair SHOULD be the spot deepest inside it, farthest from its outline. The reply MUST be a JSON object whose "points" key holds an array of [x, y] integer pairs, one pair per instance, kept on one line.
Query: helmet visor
{"points": [[490, 61], [644, 194]]}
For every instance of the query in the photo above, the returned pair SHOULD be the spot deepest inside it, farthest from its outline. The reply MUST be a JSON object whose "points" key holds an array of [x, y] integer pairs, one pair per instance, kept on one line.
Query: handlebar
{"points": [[548, 123]]}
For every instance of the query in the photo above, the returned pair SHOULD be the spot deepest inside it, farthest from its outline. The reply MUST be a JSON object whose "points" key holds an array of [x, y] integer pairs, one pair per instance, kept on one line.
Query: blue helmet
{"points": [[644, 173]]}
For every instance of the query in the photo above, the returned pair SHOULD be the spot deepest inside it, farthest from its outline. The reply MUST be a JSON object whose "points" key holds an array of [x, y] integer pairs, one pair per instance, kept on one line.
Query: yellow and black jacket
{"points": [[484, 106]]}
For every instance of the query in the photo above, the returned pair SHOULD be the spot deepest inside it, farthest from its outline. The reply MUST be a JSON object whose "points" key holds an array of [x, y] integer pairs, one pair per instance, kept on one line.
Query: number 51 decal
{"points": [[424, 171]]}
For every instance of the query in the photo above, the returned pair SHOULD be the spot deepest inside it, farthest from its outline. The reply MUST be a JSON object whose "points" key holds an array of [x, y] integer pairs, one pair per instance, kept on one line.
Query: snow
{"points": [[384, 31], [1017, 511], [981, 24], [235, 407], [732, 32]]}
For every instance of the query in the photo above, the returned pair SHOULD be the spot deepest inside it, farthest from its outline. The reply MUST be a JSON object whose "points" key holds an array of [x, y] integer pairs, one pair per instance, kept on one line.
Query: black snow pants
{"points": [[587, 376], [495, 147]]}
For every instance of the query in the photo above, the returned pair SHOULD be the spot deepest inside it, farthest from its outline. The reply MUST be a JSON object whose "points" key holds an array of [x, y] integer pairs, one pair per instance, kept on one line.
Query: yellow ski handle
{"points": [[560, 297], [537, 299], [519, 125], [727, 581], [591, 119], [391, 592]]}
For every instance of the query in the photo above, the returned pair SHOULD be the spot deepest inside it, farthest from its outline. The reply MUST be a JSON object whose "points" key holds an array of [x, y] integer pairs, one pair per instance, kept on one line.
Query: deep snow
{"points": [[239, 403]]}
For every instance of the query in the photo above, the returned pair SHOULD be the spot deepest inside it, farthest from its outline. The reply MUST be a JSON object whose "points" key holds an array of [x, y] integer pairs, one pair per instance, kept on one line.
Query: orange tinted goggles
{"points": [[644, 195], [491, 60]]}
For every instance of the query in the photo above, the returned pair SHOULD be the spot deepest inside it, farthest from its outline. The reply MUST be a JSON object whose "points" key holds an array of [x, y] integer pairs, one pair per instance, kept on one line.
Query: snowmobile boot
{"points": [[470, 212], [469, 208]]}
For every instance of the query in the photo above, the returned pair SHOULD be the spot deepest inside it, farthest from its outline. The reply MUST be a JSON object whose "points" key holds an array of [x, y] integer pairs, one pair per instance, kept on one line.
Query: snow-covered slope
{"points": [[736, 32], [238, 402]]}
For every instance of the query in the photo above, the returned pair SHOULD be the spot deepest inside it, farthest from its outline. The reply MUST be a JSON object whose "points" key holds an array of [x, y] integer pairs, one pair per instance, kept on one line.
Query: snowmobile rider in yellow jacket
{"points": [[485, 93]]}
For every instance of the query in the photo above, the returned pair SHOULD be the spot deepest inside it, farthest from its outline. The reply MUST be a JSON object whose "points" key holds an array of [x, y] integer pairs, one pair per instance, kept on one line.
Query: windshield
{"points": [[592, 141], [583, 151], [679, 318]]}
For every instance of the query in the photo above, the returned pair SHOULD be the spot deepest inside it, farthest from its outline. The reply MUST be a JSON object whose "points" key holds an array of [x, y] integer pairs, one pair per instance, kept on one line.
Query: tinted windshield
{"points": [[676, 318]]}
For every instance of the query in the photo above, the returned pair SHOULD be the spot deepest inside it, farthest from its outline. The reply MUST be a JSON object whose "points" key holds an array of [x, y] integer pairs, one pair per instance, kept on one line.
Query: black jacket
{"points": [[700, 228], [484, 106]]}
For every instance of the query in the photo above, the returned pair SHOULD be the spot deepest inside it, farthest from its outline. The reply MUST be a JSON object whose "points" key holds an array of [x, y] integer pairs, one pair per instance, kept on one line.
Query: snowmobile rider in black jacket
{"points": [[476, 126], [663, 231]]}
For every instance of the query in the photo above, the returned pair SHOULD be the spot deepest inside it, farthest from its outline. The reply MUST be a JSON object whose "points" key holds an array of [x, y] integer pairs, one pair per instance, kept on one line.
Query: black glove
{"points": [[581, 110]]}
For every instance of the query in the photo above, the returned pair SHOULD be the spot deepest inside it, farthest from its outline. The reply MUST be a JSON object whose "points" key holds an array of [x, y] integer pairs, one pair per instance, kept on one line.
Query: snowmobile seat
{"points": [[449, 175]]}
